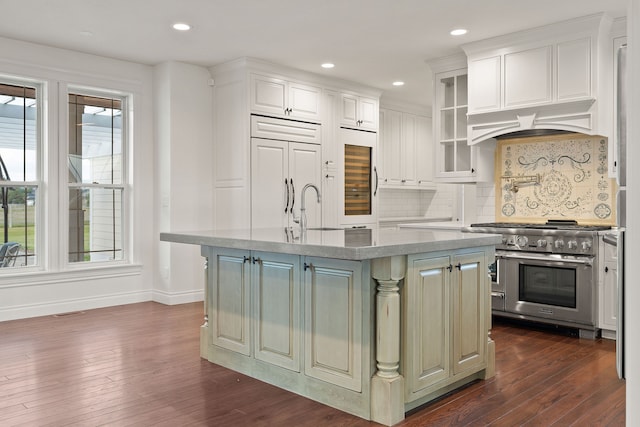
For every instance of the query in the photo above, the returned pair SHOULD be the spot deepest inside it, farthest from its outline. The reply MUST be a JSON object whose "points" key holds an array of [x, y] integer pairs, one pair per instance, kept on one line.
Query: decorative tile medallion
{"points": [[554, 177]]}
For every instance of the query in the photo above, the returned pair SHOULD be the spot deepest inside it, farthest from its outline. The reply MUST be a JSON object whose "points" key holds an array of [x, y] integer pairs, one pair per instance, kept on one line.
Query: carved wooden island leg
{"points": [[387, 385]]}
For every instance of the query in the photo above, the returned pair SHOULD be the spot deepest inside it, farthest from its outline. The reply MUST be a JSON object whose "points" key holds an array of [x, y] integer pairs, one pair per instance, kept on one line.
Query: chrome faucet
{"points": [[303, 211]]}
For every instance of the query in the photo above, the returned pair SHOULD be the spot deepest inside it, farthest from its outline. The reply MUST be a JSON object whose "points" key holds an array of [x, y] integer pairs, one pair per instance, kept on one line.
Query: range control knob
{"points": [[505, 239], [522, 241], [586, 245], [572, 244], [559, 244], [542, 243]]}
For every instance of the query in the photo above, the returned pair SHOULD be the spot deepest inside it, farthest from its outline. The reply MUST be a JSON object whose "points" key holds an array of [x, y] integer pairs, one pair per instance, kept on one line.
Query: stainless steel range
{"points": [[546, 273]]}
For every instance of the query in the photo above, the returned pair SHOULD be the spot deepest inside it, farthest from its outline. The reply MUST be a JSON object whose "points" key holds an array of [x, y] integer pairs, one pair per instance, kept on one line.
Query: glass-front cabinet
{"points": [[455, 159]]}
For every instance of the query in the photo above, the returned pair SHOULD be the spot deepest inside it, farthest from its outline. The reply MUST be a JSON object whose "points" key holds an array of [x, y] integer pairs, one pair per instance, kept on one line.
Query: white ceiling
{"points": [[373, 42]]}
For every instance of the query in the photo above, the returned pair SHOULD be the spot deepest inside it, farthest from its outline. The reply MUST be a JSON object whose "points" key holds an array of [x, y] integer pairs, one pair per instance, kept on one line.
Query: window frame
{"points": [[40, 242], [65, 186]]}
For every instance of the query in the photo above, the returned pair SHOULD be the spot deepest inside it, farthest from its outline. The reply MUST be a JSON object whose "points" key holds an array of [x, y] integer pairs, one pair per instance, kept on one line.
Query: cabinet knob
{"points": [[403, 181], [606, 269]]}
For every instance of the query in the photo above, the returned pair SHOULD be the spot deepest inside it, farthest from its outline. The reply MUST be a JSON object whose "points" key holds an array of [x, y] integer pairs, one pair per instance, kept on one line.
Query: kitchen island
{"points": [[373, 322]]}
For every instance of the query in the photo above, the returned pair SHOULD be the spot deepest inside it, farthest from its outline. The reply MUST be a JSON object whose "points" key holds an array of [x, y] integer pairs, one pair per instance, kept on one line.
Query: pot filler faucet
{"points": [[303, 214]]}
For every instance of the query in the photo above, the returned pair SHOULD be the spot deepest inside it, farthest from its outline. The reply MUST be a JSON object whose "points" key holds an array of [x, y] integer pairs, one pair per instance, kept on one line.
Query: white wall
{"points": [[59, 289], [183, 116]]}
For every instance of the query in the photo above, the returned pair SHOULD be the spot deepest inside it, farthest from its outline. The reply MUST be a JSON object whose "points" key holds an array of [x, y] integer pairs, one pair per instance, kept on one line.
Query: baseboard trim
{"points": [[70, 305], [175, 298]]}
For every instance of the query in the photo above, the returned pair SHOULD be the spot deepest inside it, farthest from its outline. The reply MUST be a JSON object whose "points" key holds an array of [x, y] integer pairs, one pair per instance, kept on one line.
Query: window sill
{"points": [[29, 277]]}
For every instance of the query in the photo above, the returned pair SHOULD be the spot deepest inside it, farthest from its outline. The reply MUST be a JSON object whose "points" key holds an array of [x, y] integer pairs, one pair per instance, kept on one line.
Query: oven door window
{"points": [[548, 285]]}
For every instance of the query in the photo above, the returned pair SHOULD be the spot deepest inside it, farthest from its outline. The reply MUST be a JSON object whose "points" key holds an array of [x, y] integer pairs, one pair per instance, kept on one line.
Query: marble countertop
{"points": [[442, 225], [350, 243]]}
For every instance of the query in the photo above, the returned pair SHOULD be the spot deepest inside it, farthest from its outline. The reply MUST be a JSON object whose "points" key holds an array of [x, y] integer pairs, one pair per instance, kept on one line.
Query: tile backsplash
{"points": [[554, 177], [394, 203], [485, 202]]}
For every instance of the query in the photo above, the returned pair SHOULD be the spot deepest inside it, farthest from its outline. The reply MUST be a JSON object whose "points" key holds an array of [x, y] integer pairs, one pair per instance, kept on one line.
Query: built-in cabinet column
{"points": [[247, 89]]}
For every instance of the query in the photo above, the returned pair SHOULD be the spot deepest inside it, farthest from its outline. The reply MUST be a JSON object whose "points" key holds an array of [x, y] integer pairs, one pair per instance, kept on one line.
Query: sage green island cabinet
{"points": [[373, 323]]}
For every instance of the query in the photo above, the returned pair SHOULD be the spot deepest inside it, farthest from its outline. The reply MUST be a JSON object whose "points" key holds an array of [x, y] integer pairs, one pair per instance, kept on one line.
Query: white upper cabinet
{"points": [[455, 160], [550, 77], [424, 152], [405, 155], [282, 98], [389, 158], [359, 112]]}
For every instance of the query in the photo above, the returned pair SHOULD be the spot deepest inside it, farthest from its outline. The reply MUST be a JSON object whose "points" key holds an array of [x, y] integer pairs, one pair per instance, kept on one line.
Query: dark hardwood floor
{"points": [[139, 365]]}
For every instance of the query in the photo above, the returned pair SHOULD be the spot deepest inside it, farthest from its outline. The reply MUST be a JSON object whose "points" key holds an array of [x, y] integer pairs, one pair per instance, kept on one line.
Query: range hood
{"points": [[556, 77]]}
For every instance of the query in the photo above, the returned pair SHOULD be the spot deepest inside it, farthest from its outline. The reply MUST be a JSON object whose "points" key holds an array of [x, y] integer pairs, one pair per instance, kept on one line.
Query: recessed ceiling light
{"points": [[398, 83], [180, 26], [458, 32], [328, 65]]}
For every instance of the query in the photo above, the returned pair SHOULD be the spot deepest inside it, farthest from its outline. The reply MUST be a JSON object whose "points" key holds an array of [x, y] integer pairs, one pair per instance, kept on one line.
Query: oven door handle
{"points": [[585, 260]]}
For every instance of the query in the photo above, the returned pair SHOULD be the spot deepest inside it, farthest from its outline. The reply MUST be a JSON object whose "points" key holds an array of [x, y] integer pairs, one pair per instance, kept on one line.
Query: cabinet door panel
{"points": [[469, 318], [277, 309], [528, 77], [333, 347], [305, 167], [427, 324], [268, 94], [574, 69], [408, 149], [390, 171], [269, 165], [424, 151], [484, 84], [231, 300], [349, 110], [304, 101], [368, 113], [609, 303]]}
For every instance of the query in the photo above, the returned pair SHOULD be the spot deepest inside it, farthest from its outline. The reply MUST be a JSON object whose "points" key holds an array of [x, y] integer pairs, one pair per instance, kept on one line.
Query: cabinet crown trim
{"points": [[591, 25]]}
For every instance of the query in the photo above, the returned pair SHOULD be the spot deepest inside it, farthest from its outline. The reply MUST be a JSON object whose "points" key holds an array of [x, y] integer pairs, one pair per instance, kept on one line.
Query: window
{"points": [[19, 174], [86, 178], [96, 181]]}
